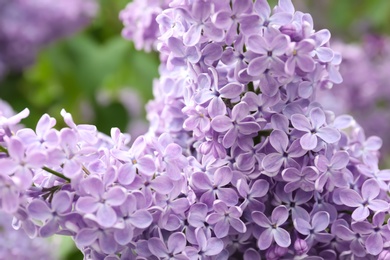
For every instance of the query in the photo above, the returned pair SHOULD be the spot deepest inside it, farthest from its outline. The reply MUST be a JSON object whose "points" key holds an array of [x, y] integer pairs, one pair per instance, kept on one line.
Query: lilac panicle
{"points": [[240, 160]]}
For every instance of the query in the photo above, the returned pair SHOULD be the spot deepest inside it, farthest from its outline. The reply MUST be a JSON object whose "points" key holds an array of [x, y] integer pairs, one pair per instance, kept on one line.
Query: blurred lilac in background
{"points": [[26, 26], [16, 245], [365, 90]]}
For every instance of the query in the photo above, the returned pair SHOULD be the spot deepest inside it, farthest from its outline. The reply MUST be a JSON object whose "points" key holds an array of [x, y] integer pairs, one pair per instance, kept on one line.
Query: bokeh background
{"points": [[101, 79]]}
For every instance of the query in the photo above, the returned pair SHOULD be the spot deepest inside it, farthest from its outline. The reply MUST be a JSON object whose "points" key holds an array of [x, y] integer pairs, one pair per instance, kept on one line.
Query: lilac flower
{"points": [[135, 161], [252, 195], [314, 129], [99, 202], [331, 172], [273, 231], [9, 123], [229, 19], [200, 14], [263, 18], [353, 235], [44, 133], [239, 123], [213, 93], [364, 202], [378, 235], [319, 222], [20, 162], [300, 57], [211, 190], [181, 55], [133, 218], [198, 120], [284, 156], [371, 170], [225, 217], [300, 246], [269, 51], [61, 204], [206, 246], [171, 250], [300, 179], [294, 202]]}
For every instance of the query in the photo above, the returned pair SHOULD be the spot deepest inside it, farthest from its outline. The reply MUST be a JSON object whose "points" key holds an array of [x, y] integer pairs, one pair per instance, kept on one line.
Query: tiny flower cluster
{"points": [[25, 26], [240, 161]]}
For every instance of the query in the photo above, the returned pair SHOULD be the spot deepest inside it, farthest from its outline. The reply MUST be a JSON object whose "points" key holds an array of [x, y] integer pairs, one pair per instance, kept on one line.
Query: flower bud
{"points": [[300, 246]]}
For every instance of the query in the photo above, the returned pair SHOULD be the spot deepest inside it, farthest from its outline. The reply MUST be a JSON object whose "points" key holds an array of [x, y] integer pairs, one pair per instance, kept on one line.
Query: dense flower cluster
{"points": [[240, 161], [25, 26], [15, 244], [364, 92]]}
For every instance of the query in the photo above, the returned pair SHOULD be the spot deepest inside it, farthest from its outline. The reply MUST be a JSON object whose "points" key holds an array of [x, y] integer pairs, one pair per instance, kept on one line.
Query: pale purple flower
{"points": [[212, 93], [201, 25], [229, 19], [300, 56], [240, 122], [314, 129], [263, 18], [365, 201], [61, 204], [269, 49], [172, 249], [312, 230], [134, 217], [284, 155], [300, 178], [44, 133], [379, 234], [99, 201], [213, 187], [135, 161], [353, 235], [331, 171], [371, 170], [252, 194], [206, 246], [21, 162], [294, 202], [272, 230], [8, 122], [225, 218]]}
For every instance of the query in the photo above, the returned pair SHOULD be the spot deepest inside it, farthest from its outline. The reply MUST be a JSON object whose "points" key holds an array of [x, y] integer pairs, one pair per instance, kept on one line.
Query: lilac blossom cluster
{"points": [[15, 244], [365, 91], [240, 161], [26, 26]]}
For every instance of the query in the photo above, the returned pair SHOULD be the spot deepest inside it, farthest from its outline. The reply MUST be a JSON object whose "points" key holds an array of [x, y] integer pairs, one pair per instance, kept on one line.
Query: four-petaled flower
{"points": [[273, 231]]}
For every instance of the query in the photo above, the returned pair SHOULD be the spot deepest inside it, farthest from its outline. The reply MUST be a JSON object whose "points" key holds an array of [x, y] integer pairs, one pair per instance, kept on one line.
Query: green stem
{"points": [[56, 173]]}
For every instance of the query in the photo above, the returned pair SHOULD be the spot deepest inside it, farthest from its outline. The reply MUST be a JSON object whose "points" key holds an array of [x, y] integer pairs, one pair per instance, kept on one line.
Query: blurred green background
{"points": [[75, 73]]}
